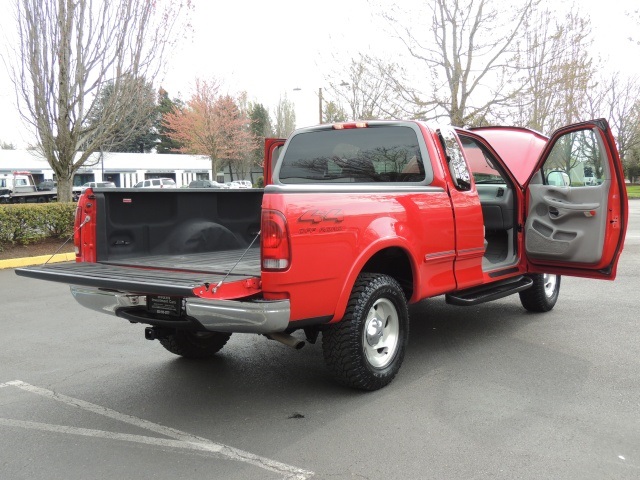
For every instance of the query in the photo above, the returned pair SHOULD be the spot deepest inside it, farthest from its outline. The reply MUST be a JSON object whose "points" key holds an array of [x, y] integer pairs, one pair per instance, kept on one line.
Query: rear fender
{"points": [[364, 257]]}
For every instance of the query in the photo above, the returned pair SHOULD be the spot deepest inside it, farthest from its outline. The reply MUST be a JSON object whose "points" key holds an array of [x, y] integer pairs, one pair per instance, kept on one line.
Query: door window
{"points": [[576, 160]]}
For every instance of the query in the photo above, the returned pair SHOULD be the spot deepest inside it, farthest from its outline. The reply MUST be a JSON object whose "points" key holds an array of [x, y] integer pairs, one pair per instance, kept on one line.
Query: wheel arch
{"points": [[389, 257]]}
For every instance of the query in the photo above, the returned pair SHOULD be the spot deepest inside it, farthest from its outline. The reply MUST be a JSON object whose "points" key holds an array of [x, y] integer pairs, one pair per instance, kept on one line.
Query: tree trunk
{"points": [[64, 188]]}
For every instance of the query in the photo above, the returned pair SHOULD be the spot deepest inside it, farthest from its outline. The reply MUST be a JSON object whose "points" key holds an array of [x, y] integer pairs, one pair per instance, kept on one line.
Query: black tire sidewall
{"points": [[535, 298], [344, 342]]}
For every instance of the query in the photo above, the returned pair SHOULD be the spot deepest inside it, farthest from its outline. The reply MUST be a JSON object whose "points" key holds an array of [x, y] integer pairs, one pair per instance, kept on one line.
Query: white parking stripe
{"points": [[88, 432], [184, 440]]}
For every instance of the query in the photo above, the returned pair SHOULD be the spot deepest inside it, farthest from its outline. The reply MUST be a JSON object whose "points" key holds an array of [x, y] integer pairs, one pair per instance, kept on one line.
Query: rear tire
{"points": [[543, 294], [366, 348], [195, 344]]}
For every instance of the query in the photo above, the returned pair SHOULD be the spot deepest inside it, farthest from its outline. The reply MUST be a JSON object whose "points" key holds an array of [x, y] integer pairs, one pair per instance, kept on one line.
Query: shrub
{"points": [[28, 223]]}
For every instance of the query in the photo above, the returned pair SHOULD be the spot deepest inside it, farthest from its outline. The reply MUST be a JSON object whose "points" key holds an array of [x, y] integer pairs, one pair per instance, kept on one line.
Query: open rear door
{"points": [[272, 148], [576, 207]]}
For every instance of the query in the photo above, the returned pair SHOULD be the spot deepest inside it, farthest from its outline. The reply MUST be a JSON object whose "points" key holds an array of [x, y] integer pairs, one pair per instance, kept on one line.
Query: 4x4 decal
{"points": [[317, 216]]}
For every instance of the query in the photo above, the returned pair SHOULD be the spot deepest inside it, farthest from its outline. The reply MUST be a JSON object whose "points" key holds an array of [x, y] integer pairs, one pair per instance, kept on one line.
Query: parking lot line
{"points": [[182, 440]]}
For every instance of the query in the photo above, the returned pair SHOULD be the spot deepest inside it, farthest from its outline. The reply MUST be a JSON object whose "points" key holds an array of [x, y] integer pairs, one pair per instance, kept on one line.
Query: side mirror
{"points": [[558, 178]]}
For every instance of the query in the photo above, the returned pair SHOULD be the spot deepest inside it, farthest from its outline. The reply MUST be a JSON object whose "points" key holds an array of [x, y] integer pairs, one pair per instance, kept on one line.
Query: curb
{"points": [[39, 260]]}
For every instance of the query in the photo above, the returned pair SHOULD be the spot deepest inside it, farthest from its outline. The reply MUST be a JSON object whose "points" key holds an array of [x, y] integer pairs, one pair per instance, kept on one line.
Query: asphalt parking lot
{"points": [[485, 392]]}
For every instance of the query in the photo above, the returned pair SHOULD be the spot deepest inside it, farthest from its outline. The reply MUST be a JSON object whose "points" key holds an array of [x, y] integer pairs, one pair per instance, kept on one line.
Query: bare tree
{"points": [[285, 121], [558, 71], [617, 99], [370, 88], [67, 50], [470, 57]]}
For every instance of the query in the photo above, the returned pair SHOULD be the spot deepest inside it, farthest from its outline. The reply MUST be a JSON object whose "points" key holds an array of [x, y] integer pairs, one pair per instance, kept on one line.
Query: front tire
{"points": [[366, 348], [195, 344], [543, 294]]}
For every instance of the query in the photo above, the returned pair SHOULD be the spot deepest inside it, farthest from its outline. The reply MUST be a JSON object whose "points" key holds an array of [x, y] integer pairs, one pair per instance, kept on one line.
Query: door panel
{"points": [[566, 223], [576, 204]]}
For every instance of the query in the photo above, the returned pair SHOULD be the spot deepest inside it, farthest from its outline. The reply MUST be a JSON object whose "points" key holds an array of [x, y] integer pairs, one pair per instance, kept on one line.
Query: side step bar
{"points": [[487, 293]]}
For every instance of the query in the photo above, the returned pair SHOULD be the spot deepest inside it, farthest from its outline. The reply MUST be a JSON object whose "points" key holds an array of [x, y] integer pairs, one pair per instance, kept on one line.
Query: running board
{"points": [[487, 293]]}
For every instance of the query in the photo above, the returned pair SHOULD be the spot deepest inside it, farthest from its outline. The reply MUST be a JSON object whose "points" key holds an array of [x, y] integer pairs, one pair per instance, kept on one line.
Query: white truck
{"points": [[19, 187]]}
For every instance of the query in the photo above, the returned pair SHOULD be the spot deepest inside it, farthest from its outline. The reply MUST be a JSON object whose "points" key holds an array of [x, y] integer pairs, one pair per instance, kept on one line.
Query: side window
{"points": [[577, 159], [156, 183], [457, 165], [481, 162]]}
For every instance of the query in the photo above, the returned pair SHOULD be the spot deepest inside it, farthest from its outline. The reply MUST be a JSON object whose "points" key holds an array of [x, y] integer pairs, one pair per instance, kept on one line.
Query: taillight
{"points": [[77, 238], [274, 239], [84, 237]]}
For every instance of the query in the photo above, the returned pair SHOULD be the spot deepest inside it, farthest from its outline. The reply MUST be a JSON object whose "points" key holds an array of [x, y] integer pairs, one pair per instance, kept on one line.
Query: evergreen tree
{"points": [[166, 144], [333, 112], [260, 128], [134, 130]]}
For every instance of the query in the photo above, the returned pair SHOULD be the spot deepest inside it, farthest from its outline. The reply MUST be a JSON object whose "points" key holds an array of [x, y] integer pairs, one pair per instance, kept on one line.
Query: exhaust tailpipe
{"points": [[286, 339]]}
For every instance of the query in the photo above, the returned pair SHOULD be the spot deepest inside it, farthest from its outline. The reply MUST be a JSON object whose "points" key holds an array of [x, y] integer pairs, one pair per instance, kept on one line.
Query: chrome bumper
{"points": [[214, 315]]}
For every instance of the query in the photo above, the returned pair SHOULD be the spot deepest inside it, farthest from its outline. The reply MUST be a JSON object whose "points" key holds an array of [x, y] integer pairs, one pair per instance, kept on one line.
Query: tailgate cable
{"points": [[86, 220], [215, 289]]}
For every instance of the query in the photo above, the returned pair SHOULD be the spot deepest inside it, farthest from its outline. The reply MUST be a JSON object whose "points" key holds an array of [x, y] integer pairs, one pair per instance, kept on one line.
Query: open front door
{"points": [[272, 147], [576, 208]]}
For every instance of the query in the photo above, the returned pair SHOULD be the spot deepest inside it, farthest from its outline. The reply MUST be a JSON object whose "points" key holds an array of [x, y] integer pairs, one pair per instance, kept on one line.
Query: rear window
{"points": [[360, 155]]}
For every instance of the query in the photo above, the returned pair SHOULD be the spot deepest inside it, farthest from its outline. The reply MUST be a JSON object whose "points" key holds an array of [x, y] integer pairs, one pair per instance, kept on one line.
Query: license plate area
{"points": [[164, 305]]}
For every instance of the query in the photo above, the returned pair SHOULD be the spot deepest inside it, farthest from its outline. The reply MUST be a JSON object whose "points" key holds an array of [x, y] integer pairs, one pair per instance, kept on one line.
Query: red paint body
{"points": [[435, 236]]}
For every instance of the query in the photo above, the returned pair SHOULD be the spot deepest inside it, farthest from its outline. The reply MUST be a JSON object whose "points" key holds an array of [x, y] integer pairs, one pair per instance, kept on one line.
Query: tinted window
{"points": [[481, 162], [156, 182], [359, 155]]}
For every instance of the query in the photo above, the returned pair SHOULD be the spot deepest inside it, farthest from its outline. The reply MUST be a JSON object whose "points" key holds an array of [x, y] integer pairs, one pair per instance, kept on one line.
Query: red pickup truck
{"points": [[356, 222]]}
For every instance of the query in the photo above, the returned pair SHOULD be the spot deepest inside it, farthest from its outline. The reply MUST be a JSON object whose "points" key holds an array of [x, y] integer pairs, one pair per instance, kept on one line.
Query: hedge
{"points": [[26, 223]]}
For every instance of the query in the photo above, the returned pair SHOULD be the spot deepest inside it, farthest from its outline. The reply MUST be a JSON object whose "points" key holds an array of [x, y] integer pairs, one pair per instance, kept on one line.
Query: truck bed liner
{"points": [[212, 262], [163, 274]]}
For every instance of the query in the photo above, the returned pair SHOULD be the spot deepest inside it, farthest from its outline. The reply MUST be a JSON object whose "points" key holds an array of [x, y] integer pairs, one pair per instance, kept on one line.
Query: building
{"points": [[123, 169]]}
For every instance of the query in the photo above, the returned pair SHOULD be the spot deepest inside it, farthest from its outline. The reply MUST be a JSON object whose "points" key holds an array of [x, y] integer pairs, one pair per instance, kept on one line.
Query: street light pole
{"points": [[297, 89]]}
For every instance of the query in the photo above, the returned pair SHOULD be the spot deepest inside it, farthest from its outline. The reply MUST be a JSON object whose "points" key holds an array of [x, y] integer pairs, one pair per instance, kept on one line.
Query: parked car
{"points": [[47, 185], [242, 183], [77, 191], [205, 184], [239, 184], [157, 183]]}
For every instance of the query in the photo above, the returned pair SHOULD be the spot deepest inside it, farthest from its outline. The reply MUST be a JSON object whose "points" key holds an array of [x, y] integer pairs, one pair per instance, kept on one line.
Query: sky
{"points": [[288, 47]]}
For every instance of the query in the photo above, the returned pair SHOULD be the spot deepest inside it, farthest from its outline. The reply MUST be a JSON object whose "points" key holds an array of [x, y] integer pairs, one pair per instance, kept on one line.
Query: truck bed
{"points": [[167, 242], [160, 274]]}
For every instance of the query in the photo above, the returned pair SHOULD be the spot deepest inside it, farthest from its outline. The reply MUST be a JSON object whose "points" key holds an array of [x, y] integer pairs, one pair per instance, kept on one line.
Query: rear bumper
{"points": [[212, 315]]}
